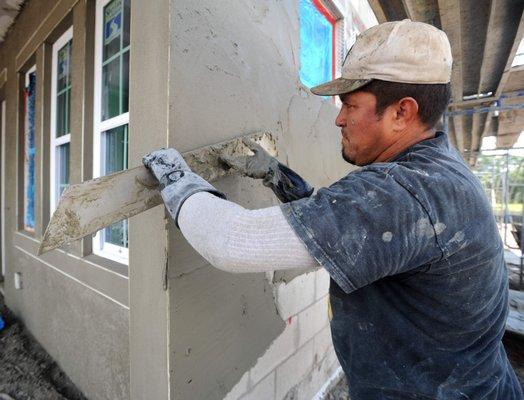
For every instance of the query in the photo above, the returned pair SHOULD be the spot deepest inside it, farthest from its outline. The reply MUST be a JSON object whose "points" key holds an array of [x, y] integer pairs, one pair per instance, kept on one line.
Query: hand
{"points": [[255, 166], [167, 165], [285, 183], [177, 181]]}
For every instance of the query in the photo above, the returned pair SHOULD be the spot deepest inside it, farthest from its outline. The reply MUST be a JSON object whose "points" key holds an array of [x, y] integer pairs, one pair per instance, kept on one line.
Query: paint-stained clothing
{"points": [[419, 287]]}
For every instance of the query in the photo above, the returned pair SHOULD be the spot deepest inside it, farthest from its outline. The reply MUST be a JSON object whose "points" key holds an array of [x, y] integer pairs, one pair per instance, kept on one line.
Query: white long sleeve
{"points": [[235, 239]]}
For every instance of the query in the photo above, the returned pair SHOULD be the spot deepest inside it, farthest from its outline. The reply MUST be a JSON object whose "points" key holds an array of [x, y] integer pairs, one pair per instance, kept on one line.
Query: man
{"points": [[419, 288]]}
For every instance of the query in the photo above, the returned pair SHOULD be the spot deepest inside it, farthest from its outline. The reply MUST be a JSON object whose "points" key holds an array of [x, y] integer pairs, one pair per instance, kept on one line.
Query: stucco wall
{"points": [[234, 71], [205, 71], [76, 307]]}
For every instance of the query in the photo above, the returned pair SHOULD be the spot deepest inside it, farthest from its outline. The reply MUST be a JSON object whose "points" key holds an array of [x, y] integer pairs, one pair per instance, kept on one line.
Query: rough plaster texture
{"points": [[86, 334], [222, 69], [149, 323], [235, 71], [76, 309]]}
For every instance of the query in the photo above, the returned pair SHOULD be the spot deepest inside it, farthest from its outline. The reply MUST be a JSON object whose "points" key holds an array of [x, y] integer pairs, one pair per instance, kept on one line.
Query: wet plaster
{"points": [[235, 71], [92, 205], [223, 322]]}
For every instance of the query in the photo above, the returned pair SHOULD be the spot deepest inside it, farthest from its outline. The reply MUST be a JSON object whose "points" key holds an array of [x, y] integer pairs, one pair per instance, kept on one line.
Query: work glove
{"points": [[285, 183], [176, 180]]}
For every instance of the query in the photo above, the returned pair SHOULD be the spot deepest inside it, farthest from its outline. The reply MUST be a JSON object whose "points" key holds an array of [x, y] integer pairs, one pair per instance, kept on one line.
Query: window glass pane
{"points": [[127, 20], [316, 45], [63, 87], [62, 158], [61, 111], [117, 234], [115, 146], [30, 97], [125, 82], [68, 109], [111, 89], [112, 28], [63, 67]]}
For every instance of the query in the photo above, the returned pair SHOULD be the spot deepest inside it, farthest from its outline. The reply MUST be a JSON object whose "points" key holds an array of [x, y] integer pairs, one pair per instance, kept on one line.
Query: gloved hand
{"points": [[176, 180], [285, 183]]}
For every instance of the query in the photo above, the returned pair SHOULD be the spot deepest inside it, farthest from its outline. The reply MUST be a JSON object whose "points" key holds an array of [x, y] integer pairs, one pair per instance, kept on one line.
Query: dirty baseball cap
{"points": [[399, 51]]}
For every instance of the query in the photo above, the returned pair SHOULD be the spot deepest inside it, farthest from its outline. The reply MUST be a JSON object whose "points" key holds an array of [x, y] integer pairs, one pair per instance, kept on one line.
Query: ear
{"points": [[405, 113]]}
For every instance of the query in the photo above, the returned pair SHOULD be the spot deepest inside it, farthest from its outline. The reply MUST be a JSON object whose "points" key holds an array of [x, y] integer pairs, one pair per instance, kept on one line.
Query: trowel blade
{"points": [[90, 206]]}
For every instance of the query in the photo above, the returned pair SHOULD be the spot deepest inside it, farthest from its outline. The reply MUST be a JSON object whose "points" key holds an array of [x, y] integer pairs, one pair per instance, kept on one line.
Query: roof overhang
{"points": [[484, 39], [9, 10]]}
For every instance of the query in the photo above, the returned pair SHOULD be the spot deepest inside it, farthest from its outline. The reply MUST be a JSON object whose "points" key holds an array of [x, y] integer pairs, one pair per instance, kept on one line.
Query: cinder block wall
{"points": [[235, 70], [300, 360]]}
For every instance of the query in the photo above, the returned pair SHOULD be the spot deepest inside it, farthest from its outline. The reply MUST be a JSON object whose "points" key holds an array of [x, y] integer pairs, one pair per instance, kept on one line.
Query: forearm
{"points": [[287, 184], [235, 239]]}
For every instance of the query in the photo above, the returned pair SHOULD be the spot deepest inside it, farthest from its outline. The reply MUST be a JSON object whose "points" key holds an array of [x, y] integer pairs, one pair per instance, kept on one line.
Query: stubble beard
{"points": [[346, 158]]}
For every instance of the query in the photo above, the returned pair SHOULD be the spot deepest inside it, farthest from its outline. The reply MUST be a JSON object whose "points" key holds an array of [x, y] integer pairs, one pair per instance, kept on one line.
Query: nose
{"points": [[341, 120]]}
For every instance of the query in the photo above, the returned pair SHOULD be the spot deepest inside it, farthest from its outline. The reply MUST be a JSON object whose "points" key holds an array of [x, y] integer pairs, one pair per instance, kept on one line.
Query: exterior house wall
{"points": [[77, 307], [235, 70], [170, 325]]}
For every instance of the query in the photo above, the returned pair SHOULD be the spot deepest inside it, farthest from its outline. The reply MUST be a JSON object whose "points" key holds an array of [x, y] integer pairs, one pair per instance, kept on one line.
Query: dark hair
{"points": [[432, 99]]}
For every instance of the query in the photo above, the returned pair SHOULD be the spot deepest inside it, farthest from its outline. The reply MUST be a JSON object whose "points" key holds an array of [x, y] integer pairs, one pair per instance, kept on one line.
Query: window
{"points": [[29, 94], [60, 116], [111, 111], [318, 43]]}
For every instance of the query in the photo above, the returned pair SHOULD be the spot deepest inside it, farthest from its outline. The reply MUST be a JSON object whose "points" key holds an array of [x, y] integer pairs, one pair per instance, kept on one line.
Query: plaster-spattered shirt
{"points": [[419, 287]]}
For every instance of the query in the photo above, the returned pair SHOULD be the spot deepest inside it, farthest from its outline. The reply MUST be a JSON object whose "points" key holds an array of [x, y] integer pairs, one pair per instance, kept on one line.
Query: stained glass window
{"points": [[29, 156], [317, 43]]}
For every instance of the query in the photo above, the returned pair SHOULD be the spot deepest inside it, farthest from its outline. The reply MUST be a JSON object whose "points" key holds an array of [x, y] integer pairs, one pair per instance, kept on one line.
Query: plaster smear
{"points": [[90, 206]]}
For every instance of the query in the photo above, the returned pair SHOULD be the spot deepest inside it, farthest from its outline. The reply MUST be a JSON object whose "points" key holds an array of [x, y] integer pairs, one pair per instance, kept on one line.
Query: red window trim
{"points": [[325, 12]]}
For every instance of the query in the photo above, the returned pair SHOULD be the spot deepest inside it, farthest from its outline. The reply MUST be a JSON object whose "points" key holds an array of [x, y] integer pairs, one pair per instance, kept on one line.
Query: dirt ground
{"points": [[28, 373], [514, 345], [26, 370]]}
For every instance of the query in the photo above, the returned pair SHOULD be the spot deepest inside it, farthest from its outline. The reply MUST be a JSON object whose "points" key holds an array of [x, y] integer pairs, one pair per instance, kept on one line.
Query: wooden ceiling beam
{"points": [[478, 129], [451, 24], [377, 9], [507, 70]]}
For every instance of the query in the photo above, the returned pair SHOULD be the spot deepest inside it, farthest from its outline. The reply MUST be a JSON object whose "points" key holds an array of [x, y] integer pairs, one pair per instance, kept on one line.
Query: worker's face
{"points": [[364, 133]]}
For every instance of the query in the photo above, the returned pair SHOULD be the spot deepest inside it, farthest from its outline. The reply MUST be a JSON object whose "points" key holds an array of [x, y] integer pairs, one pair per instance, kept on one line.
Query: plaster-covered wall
{"points": [[234, 71], [85, 333], [77, 308]]}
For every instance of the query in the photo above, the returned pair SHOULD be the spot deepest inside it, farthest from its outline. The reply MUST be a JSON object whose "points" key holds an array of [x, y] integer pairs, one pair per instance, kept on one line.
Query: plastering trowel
{"points": [[87, 207]]}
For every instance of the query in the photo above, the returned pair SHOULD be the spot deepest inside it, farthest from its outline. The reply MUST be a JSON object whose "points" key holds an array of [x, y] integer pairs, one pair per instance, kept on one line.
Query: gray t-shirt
{"points": [[419, 287]]}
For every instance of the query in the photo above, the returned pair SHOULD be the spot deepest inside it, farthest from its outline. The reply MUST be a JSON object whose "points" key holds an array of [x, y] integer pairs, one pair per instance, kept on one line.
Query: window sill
{"points": [[114, 266]]}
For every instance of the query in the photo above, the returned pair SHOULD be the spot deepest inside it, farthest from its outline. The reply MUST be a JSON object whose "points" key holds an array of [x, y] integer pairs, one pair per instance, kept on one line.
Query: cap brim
{"points": [[339, 86]]}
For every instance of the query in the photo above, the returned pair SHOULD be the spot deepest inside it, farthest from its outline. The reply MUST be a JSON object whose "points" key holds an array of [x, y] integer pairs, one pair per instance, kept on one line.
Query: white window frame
{"points": [[55, 142], [100, 246], [26, 83]]}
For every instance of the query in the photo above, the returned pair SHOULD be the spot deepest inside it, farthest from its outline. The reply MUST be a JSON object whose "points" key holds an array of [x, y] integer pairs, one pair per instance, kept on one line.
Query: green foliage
{"points": [[493, 170]]}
